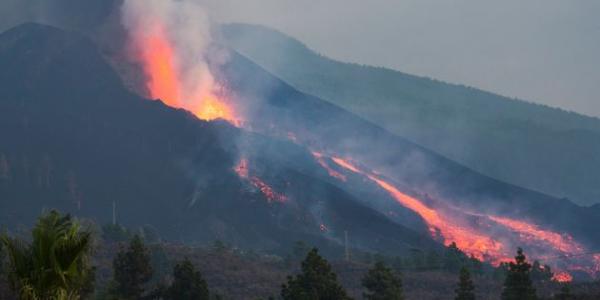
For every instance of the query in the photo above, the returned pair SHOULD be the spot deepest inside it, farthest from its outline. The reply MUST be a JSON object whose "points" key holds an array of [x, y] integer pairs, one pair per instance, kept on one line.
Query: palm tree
{"points": [[56, 263]]}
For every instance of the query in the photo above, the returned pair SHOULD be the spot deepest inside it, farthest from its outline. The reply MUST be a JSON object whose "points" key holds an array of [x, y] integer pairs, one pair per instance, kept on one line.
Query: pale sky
{"points": [[545, 51]]}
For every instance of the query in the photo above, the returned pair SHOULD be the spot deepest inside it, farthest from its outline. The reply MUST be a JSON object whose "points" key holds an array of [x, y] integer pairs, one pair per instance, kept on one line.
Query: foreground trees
{"points": [[466, 288], [131, 270], [518, 285], [188, 283], [382, 284], [316, 281], [56, 263]]}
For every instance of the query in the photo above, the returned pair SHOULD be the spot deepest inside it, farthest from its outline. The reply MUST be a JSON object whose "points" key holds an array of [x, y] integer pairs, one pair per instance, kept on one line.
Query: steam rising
{"points": [[170, 40]]}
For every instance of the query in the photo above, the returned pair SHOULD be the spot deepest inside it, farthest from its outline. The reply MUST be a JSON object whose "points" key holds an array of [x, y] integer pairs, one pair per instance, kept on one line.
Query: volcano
{"points": [[75, 139], [297, 168]]}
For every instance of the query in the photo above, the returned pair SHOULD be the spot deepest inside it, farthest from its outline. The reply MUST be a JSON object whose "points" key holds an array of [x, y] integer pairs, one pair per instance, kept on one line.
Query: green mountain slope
{"points": [[531, 145]]}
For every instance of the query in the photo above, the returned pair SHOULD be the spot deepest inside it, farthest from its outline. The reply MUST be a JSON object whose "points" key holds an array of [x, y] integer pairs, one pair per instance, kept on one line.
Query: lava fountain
{"points": [[169, 40]]}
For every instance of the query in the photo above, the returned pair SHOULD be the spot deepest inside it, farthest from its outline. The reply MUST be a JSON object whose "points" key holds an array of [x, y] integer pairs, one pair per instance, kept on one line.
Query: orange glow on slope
{"points": [[333, 173], [482, 245], [346, 164], [562, 277], [466, 239], [531, 232], [242, 170], [159, 62]]}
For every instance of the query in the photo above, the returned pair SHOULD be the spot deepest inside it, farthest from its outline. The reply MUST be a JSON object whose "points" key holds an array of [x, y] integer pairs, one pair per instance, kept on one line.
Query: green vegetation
{"points": [[59, 264], [518, 284], [526, 144], [56, 263], [132, 270], [382, 283], [316, 281], [466, 288], [188, 283]]}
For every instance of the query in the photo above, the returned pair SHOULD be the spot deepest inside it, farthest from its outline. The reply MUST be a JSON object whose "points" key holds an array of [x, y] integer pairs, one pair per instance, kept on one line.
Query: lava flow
{"points": [[473, 243], [333, 173], [494, 246], [563, 243], [242, 170]]}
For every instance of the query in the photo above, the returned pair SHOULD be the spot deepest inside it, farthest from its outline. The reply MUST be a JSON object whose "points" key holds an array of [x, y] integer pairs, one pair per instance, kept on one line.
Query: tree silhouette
{"points": [[132, 270], [56, 263], [187, 284], [382, 284], [316, 281], [565, 293], [518, 285], [466, 288]]}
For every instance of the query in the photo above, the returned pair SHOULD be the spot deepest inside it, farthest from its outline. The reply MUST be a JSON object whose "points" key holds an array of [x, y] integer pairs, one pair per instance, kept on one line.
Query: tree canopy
{"points": [[518, 284], [382, 284], [315, 282], [56, 263]]}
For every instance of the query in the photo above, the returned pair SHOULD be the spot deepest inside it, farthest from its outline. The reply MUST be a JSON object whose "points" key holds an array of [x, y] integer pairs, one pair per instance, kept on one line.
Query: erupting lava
{"points": [[242, 170], [173, 75], [157, 55]]}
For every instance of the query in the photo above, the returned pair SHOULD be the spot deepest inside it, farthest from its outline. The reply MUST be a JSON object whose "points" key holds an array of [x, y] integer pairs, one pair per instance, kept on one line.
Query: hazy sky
{"points": [[545, 51]]}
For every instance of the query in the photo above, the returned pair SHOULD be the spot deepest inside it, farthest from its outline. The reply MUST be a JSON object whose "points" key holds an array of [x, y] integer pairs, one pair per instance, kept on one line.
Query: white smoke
{"points": [[187, 27]]}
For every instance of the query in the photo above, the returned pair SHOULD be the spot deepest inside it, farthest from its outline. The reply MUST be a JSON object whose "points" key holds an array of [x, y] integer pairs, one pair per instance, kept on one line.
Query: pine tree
{"points": [[382, 284], [132, 270], [518, 285], [466, 288], [316, 281], [454, 258], [188, 283]]}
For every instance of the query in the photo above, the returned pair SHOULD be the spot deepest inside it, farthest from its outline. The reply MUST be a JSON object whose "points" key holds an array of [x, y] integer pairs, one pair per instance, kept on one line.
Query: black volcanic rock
{"points": [[73, 138]]}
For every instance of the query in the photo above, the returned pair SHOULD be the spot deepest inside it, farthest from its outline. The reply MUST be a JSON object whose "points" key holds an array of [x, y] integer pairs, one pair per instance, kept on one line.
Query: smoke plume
{"points": [[170, 40]]}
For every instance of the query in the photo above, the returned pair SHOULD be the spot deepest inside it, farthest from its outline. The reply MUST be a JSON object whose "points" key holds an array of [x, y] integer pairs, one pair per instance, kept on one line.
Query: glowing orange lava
{"points": [[159, 62], [343, 163], [563, 243], [559, 248], [562, 277], [242, 170], [160, 68], [333, 173], [468, 240]]}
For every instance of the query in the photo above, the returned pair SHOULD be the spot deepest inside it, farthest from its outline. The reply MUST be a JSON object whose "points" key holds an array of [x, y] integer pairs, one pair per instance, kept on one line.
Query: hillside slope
{"points": [[530, 145], [75, 139]]}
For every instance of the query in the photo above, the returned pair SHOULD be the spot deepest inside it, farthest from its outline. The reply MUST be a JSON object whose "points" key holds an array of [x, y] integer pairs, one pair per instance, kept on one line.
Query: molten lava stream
{"points": [[333, 173], [242, 170], [467, 239], [527, 231], [482, 245]]}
